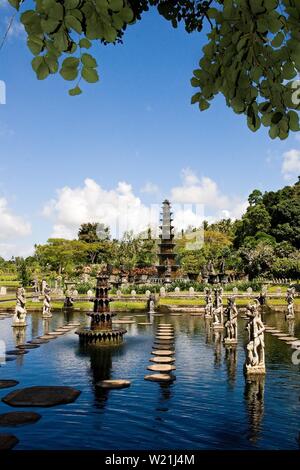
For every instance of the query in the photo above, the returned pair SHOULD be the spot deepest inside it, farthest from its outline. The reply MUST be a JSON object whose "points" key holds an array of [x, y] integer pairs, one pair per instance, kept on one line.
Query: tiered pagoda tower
{"points": [[101, 329], [167, 257]]}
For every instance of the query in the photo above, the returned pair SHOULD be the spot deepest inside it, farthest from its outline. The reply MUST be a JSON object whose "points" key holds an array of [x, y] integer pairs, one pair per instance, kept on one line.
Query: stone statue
{"points": [[222, 266], [47, 303], [44, 285], [218, 318], [151, 303], [210, 268], [231, 325], [36, 285], [255, 361], [19, 318], [69, 301], [209, 303], [290, 301]]}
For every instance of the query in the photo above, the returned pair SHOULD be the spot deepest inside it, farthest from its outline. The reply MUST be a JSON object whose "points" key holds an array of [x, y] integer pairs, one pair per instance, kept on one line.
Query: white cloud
{"points": [[297, 137], [205, 191], [7, 250], [150, 188], [11, 225], [16, 29], [291, 164], [196, 200], [119, 208]]}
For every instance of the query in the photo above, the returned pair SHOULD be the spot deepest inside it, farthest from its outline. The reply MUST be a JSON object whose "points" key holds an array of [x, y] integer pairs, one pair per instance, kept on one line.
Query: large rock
{"points": [[8, 383], [8, 441], [19, 418], [41, 396]]}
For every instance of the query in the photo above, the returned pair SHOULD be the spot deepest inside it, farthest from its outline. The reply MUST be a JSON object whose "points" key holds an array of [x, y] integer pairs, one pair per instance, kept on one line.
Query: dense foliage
{"points": [[252, 54]]}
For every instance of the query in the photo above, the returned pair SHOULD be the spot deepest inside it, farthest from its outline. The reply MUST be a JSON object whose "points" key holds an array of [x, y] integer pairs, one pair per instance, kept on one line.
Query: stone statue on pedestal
{"points": [[290, 301], [231, 325], [209, 303], [218, 318], [19, 318], [47, 303], [255, 360]]}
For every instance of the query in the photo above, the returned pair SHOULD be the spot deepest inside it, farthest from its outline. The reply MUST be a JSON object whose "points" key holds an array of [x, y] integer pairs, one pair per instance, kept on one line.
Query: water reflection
{"points": [[19, 334], [208, 331], [101, 363], [291, 327], [255, 394], [218, 341], [231, 357]]}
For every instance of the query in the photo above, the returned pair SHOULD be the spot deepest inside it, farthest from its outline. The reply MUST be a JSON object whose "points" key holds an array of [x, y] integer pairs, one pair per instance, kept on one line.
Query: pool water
{"points": [[210, 405]]}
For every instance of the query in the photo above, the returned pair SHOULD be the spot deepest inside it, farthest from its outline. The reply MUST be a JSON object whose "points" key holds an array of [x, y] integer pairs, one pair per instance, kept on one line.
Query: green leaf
{"points": [[90, 75], [126, 14], [85, 43], [71, 4], [69, 68], [52, 62], [195, 98], [35, 44], [49, 25], [40, 67], [276, 117], [293, 121], [15, 3], [116, 5], [73, 23], [88, 61], [274, 132], [278, 40], [289, 71], [71, 62], [203, 104], [75, 91]]}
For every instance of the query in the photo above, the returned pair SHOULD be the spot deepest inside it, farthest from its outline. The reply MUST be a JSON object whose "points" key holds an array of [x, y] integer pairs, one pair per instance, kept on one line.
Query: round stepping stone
{"points": [[162, 360], [57, 333], [8, 383], [41, 396], [123, 322], [157, 314], [159, 378], [74, 324], [8, 441], [28, 346], [38, 341], [144, 324], [53, 333], [19, 418], [10, 358], [160, 346], [287, 338], [164, 338], [161, 368], [114, 384], [47, 337], [176, 314], [277, 334], [16, 352], [161, 352]]}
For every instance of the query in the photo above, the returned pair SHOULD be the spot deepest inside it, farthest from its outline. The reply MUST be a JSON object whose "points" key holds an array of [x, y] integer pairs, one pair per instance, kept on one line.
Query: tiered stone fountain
{"points": [[101, 330]]}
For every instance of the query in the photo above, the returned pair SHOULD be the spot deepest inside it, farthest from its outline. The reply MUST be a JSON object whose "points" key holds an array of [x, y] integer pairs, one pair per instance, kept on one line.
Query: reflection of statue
{"points": [[291, 327], [218, 338], [218, 309], [209, 303], [47, 303], [151, 303], [254, 394], [255, 362], [69, 301], [19, 318], [222, 266], [231, 313], [290, 301], [231, 364]]}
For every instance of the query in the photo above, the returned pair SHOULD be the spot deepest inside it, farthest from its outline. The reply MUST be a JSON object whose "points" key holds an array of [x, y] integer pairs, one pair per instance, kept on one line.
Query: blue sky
{"points": [[136, 126]]}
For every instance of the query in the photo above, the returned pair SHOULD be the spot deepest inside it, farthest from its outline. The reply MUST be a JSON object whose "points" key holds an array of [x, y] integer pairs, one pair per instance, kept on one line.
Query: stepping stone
{"points": [[277, 334], [41, 396], [162, 360], [74, 324], [161, 352], [295, 344], [123, 322], [165, 324], [57, 333], [10, 358], [164, 338], [114, 384], [52, 333], [28, 346], [176, 314], [287, 338], [167, 346], [8, 441], [19, 418], [160, 378], [161, 368], [47, 337], [8, 383], [16, 352], [157, 314], [38, 341], [145, 324]]}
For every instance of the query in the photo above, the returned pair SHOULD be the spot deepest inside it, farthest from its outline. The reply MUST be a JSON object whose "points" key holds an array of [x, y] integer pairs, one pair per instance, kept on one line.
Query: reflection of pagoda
{"points": [[101, 329], [167, 257]]}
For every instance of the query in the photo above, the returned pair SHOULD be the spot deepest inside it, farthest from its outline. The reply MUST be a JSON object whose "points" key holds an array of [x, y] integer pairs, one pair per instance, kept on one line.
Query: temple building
{"points": [[167, 257]]}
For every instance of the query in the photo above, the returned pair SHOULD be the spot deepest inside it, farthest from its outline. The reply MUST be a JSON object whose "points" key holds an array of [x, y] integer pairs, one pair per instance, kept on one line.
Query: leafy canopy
{"points": [[252, 55]]}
